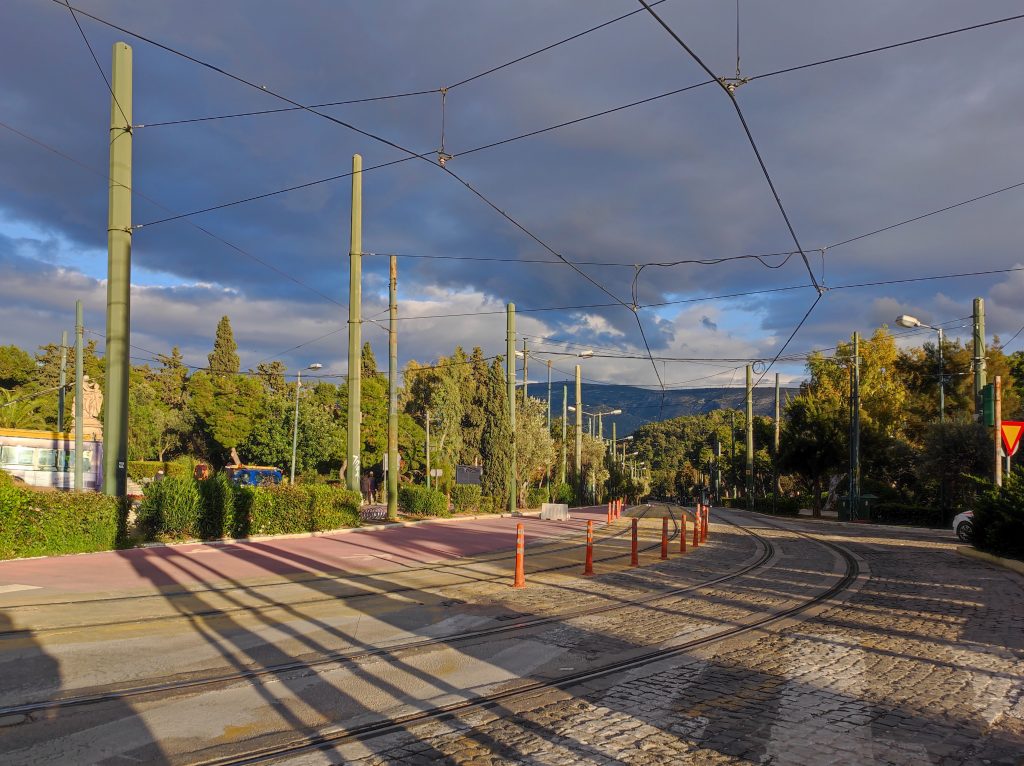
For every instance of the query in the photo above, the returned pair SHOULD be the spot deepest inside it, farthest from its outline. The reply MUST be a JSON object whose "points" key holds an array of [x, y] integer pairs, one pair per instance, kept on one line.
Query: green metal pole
{"points": [[614, 440], [62, 391], [510, 343], [579, 433], [428, 449], [355, 339], [549, 396], [79, 407], [526, 372], [979, 353], [565, 429], [750, 437], [394, 466], [119, 276], [778, 433]]}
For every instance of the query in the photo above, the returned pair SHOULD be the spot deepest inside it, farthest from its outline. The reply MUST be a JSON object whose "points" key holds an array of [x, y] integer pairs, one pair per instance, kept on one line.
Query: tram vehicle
{"points": [[47, 458]]}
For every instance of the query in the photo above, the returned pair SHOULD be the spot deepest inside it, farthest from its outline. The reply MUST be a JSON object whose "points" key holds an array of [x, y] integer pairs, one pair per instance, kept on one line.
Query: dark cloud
{"points": [[852, 147]]}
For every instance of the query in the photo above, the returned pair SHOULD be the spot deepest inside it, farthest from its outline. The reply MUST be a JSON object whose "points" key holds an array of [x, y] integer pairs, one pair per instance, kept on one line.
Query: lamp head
{"points": [[905, 320], [614, 412], [585, 354], [314, 366], [571, 408]]}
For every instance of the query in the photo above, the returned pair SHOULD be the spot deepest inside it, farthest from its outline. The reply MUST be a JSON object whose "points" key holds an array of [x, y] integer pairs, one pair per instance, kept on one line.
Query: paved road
{"points": [[916, 657]]}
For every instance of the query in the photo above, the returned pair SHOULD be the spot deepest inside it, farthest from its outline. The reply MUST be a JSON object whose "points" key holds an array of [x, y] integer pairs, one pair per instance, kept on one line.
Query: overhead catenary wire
{"points": [[96, 61]]}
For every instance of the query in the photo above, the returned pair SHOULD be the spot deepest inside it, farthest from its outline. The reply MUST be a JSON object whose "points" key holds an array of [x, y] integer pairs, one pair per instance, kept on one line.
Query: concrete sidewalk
{"points": [[365, 550]]}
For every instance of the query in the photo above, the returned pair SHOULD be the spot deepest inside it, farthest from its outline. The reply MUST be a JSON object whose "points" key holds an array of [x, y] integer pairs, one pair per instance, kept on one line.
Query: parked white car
{"points": [[963, 525]]}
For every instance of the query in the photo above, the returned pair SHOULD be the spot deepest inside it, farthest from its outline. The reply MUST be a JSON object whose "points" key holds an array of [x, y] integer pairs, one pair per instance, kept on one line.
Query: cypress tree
{"points": [[496, 443], [224, 357]]}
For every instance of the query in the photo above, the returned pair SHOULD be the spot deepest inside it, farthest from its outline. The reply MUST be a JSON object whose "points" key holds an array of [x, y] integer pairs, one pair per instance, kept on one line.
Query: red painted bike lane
{"points": [[365, 551]]}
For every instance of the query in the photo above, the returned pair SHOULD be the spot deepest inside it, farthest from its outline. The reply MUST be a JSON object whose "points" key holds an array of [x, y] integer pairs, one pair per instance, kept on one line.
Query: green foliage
{"points": [[487, 505], [814, 443], [466, 497], [999, 518], [182, 467], [226, 407], [224, 357], [562, 493], [34, 523], [171, 508], [496, 444], [16, 367], [535, 496], [217, 518], [420, 501]]}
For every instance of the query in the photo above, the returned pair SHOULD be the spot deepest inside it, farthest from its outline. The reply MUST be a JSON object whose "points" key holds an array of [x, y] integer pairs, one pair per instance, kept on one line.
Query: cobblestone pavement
{"points": [[920, 665]]}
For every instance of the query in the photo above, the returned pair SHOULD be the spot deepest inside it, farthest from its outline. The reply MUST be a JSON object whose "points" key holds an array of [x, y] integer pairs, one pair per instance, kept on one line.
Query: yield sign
{"points": [[1012, 431]]}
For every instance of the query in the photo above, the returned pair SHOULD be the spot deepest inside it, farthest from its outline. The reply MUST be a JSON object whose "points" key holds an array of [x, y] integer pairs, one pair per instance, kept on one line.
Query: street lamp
{"points": [[905, 320], [295, 427]]}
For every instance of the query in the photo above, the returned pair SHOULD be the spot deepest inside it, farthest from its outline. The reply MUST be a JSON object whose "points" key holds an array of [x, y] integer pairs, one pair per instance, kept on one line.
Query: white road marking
{"points": [[14, 587]]}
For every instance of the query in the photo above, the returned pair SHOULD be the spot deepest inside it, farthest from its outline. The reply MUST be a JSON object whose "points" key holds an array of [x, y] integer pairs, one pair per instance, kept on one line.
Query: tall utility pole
{"points": [[428, 449], [718, 470], [62, 391], [510, 347], [853, 493], [355, 326], [614, 440], [549, 396], [732, 459], [979, 353], [997, 390], [295, 427], [565, 429], [119, 276], [526, 372], [778, 433], [394, 464], [79, 408], [578, 465], [750, 438]]}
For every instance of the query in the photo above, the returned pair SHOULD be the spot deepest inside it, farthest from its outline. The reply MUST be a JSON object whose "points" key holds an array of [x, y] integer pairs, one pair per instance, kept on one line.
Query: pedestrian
{"points": [[366, 487]]}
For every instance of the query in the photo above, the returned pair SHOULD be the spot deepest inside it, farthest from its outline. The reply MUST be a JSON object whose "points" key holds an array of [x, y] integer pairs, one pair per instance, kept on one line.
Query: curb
{"points": [[1012, 564]]}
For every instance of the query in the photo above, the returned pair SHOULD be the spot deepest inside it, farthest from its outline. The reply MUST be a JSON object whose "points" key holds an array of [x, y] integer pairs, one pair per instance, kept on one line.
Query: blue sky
{"points": [[852, 147]]}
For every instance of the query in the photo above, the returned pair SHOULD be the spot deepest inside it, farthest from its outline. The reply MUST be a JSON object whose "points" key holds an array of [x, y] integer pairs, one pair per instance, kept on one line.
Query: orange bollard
{"points": [[664, 537], [696, 529], [635, 560], [682, 533], [588, 568], [705, 522], [520, 579]]}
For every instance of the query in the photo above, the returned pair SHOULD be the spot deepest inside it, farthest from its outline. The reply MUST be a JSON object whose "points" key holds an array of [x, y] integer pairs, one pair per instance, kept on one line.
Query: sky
{"points": [[852, 147]]}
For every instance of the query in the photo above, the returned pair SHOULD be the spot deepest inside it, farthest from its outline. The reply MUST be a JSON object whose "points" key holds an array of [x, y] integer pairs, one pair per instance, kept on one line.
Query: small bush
{"points": [[999, 519], [487, 504], [466, 497], [171, 507], [144, 470], [562, 493], [182, 467], [333, 508], [34, 523], [420, 501], [217, 518], [535, 496], [735, 502]]}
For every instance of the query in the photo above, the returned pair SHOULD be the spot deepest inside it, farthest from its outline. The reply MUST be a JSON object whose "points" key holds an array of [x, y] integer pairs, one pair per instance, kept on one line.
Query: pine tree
{"points": [[369, 361], [224, 357], [496, 443]]}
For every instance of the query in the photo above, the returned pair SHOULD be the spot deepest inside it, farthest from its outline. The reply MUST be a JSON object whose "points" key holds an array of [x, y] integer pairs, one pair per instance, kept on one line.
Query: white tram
{"points": [[47, 458]]}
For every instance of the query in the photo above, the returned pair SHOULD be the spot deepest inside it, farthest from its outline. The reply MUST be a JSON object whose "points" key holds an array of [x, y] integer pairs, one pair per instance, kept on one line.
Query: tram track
{"points": [[169, 687], [354, 579], [328, 739]]}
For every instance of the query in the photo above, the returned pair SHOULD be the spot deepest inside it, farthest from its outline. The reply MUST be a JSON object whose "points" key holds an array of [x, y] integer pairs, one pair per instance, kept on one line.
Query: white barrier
{"points": [[554, 511]]}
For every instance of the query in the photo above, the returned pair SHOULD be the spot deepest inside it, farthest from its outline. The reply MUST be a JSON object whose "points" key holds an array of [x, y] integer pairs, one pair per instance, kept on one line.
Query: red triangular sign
{"points": [[1012, 431]]}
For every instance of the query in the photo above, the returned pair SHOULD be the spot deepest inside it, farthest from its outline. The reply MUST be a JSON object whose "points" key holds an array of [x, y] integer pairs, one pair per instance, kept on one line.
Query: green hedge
{"points": [[563, 493], [420, 501], [178, 508], [905, 513], [999, 519], [466, 497], [143, 470], [34, 523], [487, 505]]}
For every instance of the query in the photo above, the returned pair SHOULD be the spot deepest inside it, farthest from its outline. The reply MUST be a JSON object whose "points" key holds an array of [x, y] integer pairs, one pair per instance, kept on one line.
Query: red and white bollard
{"points": [[664, 537], [520, 578], [635, 558], [588, 567]]}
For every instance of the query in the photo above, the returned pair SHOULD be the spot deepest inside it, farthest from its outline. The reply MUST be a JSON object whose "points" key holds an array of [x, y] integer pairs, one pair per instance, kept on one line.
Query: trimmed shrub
{"points": [[999, 519], [487, 504], [332, 508], [182, 467], [286, 511], [34, 523], [144, 470], [420, 501], [466, 497], [535, 496]]}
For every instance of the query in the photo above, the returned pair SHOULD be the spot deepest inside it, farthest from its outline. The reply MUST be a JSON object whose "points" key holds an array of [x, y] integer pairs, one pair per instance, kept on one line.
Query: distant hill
{"points": [[644, 405]]}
